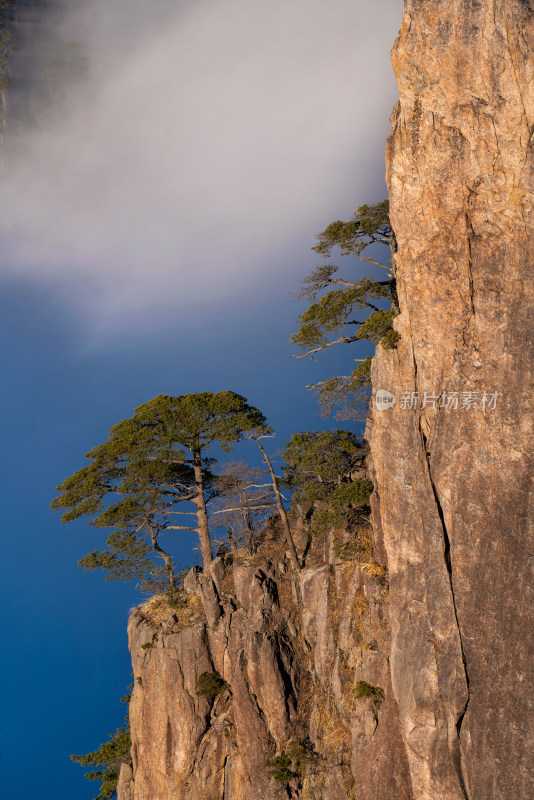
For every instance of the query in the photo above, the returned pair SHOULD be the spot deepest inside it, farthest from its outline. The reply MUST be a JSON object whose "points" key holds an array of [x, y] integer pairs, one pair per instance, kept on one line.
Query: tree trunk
{"points": [[202, 514], [231, 539], [169, 567], [283, 516], [248, 525]]}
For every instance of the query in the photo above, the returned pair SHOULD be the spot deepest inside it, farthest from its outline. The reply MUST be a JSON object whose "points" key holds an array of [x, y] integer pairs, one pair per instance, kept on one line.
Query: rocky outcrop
{"points": [[292, 674], [453, 503], [125, 784]]}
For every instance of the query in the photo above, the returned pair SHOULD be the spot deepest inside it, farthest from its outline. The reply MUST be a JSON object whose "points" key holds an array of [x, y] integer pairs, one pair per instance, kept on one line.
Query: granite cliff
{"points": [[293, 666], [453, 504], [404, 671]]}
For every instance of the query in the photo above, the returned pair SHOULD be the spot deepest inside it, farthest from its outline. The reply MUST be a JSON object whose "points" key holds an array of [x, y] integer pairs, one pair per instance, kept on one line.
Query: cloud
{"points": [[209, 137]]}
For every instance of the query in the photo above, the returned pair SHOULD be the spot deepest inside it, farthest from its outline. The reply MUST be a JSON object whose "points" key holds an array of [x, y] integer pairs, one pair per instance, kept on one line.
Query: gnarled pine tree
{"points": [[329, 320], [153, 462]]}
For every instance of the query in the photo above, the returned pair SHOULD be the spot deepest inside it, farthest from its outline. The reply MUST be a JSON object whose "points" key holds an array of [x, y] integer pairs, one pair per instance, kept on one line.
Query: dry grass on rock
{"points": [[157, 611]]}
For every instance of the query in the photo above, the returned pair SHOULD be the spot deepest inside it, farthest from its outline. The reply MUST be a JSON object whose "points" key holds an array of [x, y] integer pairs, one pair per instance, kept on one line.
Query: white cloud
{"points": [[209, 138]]}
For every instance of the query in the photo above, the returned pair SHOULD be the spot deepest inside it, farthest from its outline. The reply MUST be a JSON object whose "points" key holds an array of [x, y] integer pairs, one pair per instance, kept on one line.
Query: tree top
{"points": [[197, 420]]}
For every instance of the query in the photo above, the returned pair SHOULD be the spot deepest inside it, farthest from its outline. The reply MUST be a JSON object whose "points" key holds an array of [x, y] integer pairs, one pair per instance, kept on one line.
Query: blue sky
{"points": [[113, 294]]}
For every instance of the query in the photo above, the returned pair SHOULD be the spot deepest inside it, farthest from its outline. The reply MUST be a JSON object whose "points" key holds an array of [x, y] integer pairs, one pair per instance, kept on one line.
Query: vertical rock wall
{"points": [[454, 485]]}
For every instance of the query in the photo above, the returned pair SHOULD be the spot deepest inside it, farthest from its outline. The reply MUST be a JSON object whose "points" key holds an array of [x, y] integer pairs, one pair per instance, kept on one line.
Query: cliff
{"points": [[453, 504], [405, 671], [292, 674]]}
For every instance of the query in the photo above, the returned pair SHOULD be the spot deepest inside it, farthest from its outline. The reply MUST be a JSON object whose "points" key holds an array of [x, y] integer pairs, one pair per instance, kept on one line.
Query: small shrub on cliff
{"points": [[292, 761], [301, 752], [364, 689], [280, 768], [210, 683], [353, 549]]}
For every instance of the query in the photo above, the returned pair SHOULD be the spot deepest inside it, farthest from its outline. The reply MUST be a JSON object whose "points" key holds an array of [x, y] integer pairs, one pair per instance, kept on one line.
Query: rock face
{"points": [[453, 506], [292, 678]]}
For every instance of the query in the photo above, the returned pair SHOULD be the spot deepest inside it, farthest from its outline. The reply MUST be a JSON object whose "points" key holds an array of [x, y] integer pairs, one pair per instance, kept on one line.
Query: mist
{"points": [[207, 143]]}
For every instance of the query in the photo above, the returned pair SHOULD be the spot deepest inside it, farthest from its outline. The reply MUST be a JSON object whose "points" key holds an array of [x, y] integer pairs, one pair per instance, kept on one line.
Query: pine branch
{"points": [[179, 528], [344, 340]]}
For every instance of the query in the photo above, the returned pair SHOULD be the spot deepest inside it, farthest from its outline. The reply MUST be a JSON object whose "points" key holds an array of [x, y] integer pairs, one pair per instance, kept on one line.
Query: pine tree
{"points": [[154, 462], [330, 319], [328, 467]]}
